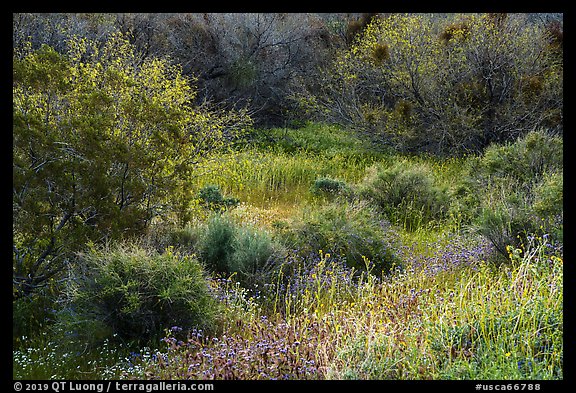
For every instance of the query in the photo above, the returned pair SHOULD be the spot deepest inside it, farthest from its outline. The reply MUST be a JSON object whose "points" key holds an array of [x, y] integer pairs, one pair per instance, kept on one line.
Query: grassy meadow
{"points": [[313, 255]]}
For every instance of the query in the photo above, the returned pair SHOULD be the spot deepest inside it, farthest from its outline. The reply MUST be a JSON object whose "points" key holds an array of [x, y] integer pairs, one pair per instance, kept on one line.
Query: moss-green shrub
{"points": [[352, 231], [525, 160], [135, 293], [226, 247], [161, 236], [519, 187], [216, 244], [327, 186], [549, 202], [212, 198], [407, 193]]}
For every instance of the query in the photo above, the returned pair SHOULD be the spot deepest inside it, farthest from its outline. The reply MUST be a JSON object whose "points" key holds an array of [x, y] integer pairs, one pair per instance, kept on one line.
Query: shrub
{"points": [[520, 190], [212, 198], [348, 230], [227, 248], [135, 293], [166, 235], [407, 194], [103, 143], [33, 314], [548, 202], [327, 186], [216, 244], [526, 160]]}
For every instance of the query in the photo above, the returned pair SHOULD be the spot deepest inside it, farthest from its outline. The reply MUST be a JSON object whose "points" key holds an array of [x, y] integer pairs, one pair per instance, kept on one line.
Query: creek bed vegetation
{"points": [[160, 235]]}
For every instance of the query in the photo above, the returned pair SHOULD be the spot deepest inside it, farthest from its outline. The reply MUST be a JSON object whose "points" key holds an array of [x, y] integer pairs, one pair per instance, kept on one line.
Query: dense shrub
{"points": [[162, 236], [407, 194], [520, 190], [349, 230], [216, 245], [443, 84], [103, 144], [135, 293], [212, 198], [525, 160], [328, 186], [548, 201], [228, 248]]}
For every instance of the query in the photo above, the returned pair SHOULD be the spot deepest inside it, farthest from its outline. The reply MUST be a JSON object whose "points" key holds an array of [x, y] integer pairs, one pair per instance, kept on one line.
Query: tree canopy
{"points": [[102, 144]]}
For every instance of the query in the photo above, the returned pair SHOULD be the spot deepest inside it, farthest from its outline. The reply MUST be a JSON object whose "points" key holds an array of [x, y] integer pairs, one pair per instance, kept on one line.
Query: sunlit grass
{"points": [[465, 321], [448, 313]]}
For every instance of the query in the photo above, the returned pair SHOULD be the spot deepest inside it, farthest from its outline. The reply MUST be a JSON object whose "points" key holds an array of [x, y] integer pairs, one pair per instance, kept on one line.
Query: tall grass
{"points": [[448, 313], [279, 167], [467, 321]]}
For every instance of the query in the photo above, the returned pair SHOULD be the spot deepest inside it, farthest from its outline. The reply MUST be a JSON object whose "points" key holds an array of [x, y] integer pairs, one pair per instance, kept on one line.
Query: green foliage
{"points": [[134, 293], [407, 194], [344, 259], [33, 314], [212, 198], [525, 160], [352, 231], [228, 248], [443, 85], [329, 187], [520, 189], [549, 198], [102, 145], [217, 243]]}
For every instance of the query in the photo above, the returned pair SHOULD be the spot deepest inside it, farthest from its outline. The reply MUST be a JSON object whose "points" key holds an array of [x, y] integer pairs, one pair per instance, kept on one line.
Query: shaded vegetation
{"points": [[288, 196]]}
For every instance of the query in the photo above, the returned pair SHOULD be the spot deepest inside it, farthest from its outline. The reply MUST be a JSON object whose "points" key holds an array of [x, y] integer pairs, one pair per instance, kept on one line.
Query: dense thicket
{"points": [[447, 85], [102, 143], [424, 81], [243, 59]]}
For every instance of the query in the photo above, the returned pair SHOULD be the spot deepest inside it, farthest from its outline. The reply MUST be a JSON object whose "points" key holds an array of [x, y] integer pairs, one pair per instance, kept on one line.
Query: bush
{"points": [[351, 231], [227, 248], [135, 293], [407, 194], [520, 190], [327, 186], [526, 160], [103, 143], [165, 235], [216, 244], [548, 201], [212, 198]]}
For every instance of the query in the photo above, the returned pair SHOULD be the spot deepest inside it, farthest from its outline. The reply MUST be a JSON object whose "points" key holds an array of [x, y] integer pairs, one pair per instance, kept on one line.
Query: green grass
{"points": [[42, 358], [472, 322], [280, 166], [449, 313]]}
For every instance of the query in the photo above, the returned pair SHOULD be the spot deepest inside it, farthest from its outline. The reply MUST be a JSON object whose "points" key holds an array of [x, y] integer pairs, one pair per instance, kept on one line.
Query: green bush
{"points": [[227, 248], [216, 245], [164, 235], [212, 198], [520, 190], [135, 293], [101, 141], [407, 194], [548, 202], [328, 186], [526, 160], [33, 314], [348, 230]]}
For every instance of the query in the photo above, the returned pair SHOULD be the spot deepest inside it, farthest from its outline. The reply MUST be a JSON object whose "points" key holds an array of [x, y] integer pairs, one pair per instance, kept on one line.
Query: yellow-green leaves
{"points": [[103, 143]]}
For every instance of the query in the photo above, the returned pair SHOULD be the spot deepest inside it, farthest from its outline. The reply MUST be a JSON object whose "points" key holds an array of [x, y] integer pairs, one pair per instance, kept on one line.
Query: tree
{"points": [[240, 59], [451, 84], [103, 143]]}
